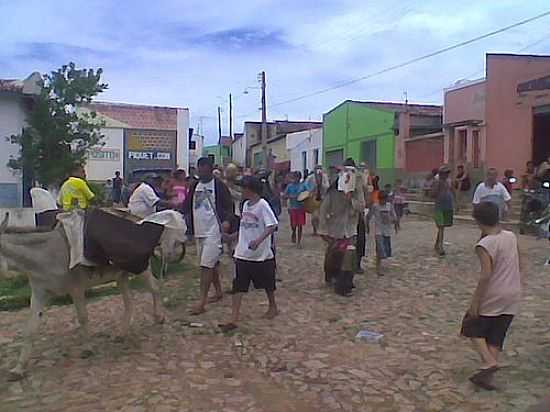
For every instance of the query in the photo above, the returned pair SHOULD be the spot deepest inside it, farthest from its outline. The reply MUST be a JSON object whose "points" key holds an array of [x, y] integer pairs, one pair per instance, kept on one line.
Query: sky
{"points": [[191, 53]]}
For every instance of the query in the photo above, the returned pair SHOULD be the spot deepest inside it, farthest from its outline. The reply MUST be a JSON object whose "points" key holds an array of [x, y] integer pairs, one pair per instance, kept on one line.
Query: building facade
{"points": [[16, 100], [501, 121], [277, 132], [138, 137], [305, 149], [378, 133]]}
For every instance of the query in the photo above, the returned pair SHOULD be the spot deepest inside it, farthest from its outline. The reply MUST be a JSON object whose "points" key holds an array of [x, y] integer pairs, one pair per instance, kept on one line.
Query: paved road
{"points": [[307, 358]]}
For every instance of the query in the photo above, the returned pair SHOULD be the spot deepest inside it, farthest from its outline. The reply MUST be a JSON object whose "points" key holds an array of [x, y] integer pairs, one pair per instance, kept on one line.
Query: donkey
{"points": [[44, 258]]}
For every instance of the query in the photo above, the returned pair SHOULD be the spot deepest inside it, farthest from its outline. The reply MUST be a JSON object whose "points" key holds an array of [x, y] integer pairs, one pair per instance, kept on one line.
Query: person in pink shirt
{"points": [[180, 188]]}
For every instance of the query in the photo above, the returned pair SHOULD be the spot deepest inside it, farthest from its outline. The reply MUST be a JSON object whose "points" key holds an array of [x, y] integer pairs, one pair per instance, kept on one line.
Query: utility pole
{"points": [[264, 123], [230, 116], [219, 125], [231, 126]]}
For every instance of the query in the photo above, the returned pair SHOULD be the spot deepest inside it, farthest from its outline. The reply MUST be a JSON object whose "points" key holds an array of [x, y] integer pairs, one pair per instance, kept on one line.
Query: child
{"points": [[254, 258], [498, 293], [296, 208], [443, 214], [384, 218], [399, 201]]}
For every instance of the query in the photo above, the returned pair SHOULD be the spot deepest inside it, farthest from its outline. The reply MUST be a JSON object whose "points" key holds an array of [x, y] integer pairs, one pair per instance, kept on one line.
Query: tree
{"points": [[57, 136]]}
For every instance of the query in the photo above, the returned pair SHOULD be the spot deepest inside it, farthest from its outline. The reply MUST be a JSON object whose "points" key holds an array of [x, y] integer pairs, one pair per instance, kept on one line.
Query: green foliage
{"points": [[58, 137], [100, 193]]}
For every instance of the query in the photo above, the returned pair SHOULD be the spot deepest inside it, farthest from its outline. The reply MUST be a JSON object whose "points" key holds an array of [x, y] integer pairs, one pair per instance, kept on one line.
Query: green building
{"points": [[219, 154], [376, 132]]}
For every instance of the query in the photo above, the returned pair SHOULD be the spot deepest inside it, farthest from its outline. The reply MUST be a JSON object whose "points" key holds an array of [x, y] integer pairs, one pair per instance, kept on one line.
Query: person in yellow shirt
{"points": [[75, 193]]}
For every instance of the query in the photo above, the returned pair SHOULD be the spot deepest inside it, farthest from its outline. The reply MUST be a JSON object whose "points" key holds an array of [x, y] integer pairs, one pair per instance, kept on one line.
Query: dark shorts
{"points": [[261, 274], [383, 246], [492, 328]]}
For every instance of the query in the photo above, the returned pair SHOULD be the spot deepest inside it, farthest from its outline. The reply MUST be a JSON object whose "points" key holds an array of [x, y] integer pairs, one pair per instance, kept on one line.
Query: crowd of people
{"points": [[238, 210]]}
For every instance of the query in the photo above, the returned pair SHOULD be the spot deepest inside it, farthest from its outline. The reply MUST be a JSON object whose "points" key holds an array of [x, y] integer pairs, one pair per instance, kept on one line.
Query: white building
{"points": [[238, 149], [16, 97], [135, 137], [305, 149]]}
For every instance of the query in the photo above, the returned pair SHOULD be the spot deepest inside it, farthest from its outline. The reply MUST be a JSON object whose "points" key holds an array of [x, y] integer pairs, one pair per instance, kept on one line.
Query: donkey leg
{"points": [[153, 287], [79, 300], [38, 301], [122, 283]]}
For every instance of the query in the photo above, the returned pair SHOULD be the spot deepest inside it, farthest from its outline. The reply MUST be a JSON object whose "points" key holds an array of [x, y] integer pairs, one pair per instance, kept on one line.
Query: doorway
{"points": [[541, 134]]}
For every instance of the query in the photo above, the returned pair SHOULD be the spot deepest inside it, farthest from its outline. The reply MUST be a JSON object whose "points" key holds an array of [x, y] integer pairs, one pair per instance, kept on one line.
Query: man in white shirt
{"points": [[211, 210], [254, 258], [493, 191], [144, 199]]}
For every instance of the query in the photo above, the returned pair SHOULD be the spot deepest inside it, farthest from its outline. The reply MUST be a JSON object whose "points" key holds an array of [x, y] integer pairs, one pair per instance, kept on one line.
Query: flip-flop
{"points": [[480, 379], [228, 327]]}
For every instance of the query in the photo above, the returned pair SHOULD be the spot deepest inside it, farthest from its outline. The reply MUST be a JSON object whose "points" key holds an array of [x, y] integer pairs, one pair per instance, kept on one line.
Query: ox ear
{"points": [[4, 224]]}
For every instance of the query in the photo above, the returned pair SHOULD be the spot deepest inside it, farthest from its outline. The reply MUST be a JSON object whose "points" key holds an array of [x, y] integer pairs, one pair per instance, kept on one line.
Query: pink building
{"points": [[501, 121]]}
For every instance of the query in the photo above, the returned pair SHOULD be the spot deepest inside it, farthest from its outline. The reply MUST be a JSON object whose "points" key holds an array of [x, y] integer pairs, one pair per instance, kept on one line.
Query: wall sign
{"points": [[542, 83], [149, 155], [103, 153]]}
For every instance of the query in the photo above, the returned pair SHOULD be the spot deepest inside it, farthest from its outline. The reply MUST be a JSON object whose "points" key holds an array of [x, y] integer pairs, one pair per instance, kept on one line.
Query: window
{"points": [[304, 160], [368, 153], [212, 158], [315, 157], [258, 159]]}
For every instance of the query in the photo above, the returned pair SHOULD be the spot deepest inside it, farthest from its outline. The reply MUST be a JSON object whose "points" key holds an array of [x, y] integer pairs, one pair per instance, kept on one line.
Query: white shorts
{"points": [[209, 251]]}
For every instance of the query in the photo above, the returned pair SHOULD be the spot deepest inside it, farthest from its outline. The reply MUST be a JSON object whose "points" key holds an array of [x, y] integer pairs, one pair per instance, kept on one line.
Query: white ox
{"points": [[44, 257]]}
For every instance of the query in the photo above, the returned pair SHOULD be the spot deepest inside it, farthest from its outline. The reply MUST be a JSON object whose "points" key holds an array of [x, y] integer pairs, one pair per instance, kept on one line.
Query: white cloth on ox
{"points": [[42, 200], [170, 219], [73, 224]]}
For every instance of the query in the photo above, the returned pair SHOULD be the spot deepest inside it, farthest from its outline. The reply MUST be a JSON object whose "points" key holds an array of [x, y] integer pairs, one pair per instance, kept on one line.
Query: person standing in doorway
{"points": [[462, 186], [117, 188], [443, 214], [497, 296], [211, 212], [493, 191]]}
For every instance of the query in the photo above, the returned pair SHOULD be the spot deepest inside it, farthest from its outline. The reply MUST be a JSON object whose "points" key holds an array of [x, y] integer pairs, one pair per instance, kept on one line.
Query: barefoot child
{"points": [[384, 221], [254, 259], [498, 293]]}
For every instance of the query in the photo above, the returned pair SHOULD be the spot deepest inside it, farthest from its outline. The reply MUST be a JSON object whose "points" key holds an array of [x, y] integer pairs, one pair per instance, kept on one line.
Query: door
{"points": [[335, 158], [368, 153]]}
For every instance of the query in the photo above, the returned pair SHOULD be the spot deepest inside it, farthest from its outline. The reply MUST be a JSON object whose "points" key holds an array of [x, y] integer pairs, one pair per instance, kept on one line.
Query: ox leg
{"points": [[38, 301], [79, 300], [153, 287], [122, 283]]}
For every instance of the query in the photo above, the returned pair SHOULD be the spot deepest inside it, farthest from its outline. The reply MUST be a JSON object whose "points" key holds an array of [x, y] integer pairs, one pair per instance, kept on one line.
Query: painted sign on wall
{"points": [[152, 155], [105, 153]]}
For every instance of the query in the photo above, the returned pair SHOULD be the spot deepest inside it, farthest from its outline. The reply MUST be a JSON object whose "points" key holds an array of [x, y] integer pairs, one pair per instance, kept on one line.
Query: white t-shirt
{"points": [[143, 201], [254, 220], [496, 194], [204, 210]]}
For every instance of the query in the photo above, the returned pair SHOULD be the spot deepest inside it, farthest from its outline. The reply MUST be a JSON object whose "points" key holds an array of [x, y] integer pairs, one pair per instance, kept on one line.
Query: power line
{"points": [[415, 60]]}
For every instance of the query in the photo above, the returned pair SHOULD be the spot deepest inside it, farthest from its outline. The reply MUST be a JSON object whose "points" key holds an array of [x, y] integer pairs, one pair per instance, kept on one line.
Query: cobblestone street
{"points": [[307, 358]]}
